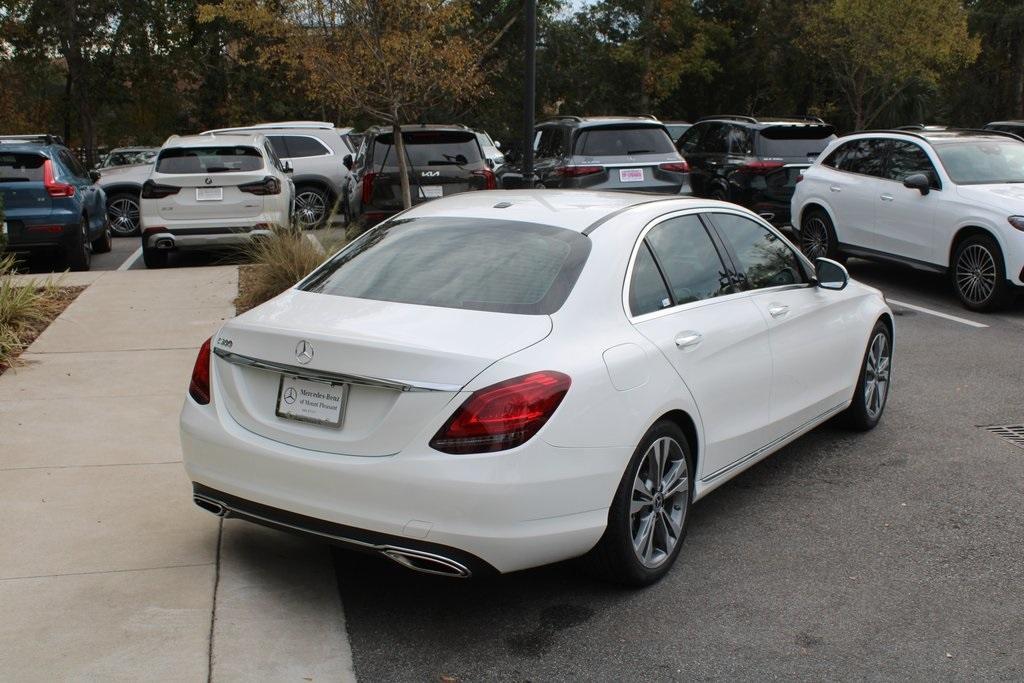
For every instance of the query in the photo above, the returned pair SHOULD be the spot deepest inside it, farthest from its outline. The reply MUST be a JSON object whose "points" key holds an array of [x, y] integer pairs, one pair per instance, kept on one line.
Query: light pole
{"points": [[529, 89]]}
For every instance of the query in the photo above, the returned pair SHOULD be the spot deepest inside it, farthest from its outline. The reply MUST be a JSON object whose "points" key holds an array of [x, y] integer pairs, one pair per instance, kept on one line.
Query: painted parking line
{"points": [[316, 242], [937, 314], [130, 261]]}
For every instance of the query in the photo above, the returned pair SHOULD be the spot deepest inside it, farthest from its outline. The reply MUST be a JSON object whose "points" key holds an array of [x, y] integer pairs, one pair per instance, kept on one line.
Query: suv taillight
{"points": [[268, 185], [53, 187], [151, 190], [199, 387], [760, 167], [503, 415], [675, 166], [577, 171], [368, 179], [490, 180]]}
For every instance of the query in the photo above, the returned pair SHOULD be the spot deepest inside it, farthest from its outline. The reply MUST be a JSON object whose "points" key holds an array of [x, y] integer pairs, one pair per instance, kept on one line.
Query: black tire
{"points": [[818, 236], [863, 414], [979, 275], [313, 206], [614, 558], [123, 214], [77, 252], [154, 258], [105, 242]]}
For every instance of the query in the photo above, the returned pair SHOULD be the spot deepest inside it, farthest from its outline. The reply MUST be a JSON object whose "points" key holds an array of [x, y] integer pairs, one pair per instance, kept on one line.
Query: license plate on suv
{"points": [[631, 175], [314, 402], [209, 194]]}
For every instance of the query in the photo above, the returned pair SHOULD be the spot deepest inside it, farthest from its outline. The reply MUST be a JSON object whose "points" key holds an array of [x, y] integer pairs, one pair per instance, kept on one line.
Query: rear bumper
{"points": [[205, 238], [56, 229]]}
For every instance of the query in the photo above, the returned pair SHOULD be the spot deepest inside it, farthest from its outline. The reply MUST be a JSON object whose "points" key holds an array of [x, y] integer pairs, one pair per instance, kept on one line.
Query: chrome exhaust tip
{"points": [[427, 563], [164, 243], [210, 506]]}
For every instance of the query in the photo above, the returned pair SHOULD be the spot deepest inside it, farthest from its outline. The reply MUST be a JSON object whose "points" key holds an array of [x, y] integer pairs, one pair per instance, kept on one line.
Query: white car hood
{"points": [[1008, 197], [138, 173]]}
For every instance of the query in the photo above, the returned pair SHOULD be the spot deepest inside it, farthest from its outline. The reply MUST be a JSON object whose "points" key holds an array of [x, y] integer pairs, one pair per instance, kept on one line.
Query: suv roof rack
{"points": [[729, 117], [926, 134], [764, 119], [41, 138], [279, 125]]}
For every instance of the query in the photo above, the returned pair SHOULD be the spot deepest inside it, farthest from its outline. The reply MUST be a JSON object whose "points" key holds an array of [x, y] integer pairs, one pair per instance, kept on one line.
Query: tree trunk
{"points": [[403, 160], [1017, 77], [646, 35]]}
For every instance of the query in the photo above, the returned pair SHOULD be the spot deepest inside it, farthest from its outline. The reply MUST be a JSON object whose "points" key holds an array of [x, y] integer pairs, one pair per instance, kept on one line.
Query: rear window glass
{"points": [[622, 141], [225, 159], [805, 142], [15, 168], [481, 265], [428, 148]]}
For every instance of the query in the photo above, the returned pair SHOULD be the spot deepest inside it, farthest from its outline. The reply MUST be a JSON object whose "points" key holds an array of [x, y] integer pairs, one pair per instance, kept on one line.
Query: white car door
{"points": [[905, 218], [680, 297], [850, 182], [815, 352]]}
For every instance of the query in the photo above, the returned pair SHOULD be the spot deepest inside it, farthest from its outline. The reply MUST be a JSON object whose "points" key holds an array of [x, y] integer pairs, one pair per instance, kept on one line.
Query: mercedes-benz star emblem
{"points": [[208, 181], [303, 352], [290, 395]]}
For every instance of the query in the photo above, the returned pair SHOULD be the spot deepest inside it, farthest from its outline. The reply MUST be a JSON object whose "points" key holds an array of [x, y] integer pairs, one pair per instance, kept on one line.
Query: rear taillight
{"points": [[153, 230], [151, 190], [368, 179], [503, 415], [268, 185], [490, 180], [53, 187], [675, 167], [760, 167], [577, 171], [199, 387]]}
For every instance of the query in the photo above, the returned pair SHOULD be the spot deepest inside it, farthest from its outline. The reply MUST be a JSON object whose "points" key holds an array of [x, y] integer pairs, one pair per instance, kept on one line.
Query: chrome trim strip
{"points": [[332, 377], [768, 446]]}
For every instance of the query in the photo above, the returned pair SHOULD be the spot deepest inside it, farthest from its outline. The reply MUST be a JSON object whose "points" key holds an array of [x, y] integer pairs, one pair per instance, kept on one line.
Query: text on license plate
{"points": [[316, 402], [432, 191], [631, 175], [209, 194]]}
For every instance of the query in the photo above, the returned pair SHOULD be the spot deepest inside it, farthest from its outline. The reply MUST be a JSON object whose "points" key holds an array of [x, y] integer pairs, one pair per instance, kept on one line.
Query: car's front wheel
{"points": [[648, 516], [872, 391], [978, 274]]}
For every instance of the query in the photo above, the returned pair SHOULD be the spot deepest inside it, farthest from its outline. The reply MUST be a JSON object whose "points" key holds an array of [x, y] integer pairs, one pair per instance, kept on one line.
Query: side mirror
{"points": [[288, 168], [347, 161], [94, 176], [830, 274], [919, 182]]}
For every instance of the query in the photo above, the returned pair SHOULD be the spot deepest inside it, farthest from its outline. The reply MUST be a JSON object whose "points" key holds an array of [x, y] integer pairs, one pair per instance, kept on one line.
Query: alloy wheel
{"points": [[659, 502], [976, 274], [310, 208], [814, 238], [124, 215], [876, 375]]}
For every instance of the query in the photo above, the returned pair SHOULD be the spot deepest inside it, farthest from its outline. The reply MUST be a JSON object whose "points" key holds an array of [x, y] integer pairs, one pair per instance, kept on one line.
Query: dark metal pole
{"points": [[529, 89]]}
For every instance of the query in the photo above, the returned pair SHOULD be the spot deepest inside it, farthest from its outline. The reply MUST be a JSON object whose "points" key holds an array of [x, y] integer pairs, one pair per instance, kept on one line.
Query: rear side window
{"points": [[864, 156], [481, 265], [802, 142], [225, 159], [716, 139], [647, 289], [21, 168], [428, 148], [622, 141], [300, 146], [763, 259]]}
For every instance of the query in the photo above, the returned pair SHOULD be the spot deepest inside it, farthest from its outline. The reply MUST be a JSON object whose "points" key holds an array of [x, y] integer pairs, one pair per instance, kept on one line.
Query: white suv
{"points": [[948, 201], [212, 191]]}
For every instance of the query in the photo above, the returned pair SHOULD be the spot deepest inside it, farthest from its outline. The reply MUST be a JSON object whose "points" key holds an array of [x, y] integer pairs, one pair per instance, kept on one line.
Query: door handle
{"points": [[778, 310], [689, 338], [886, 197], [834, 188]]}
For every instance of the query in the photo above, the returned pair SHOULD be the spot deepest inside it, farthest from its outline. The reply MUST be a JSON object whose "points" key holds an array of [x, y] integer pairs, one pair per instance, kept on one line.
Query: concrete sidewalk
{"points": [[108, 571]]}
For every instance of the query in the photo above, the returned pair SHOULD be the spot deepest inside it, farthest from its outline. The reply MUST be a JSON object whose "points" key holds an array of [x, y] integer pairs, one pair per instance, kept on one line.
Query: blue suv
{"points": [[50, 202]]}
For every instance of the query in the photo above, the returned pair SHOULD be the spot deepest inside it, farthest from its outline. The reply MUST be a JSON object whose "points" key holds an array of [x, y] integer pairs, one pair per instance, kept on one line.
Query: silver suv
{"points": [[609, 153], [316, 150]]}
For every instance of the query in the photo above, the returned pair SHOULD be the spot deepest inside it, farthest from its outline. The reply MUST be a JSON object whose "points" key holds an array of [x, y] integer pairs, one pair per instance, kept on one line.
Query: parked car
{"points": [[1015, 127], [944, 201], [213, 191], [51, 203], [677, 128], [491, 150], [127, 156], [123, 185], [316, 150], [487, 385], [609, 153], [443, 160], [753, 162]]}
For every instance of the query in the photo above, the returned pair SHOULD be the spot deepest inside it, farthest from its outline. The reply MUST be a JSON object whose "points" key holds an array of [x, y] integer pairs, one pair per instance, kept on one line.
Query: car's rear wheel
{"points": [[818, 235], [978, 274], [872, 391], [104, 243], [123, 214], [648, 516], [312, 207], [77, 252]]}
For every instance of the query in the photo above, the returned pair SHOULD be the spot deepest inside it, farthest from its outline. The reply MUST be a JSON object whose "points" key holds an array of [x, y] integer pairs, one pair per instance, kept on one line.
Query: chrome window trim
{"points": [[334, 377]]}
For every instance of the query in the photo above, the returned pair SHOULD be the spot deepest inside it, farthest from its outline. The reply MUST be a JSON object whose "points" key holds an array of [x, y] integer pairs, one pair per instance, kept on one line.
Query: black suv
{"points": [[1015, 127], [753, 162], [442, 160]]}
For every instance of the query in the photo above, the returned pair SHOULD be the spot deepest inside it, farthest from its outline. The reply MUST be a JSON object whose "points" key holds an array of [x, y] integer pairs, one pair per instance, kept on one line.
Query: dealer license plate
{"points": [[432, 191], [631, 175], [315, 402], [209, 194]]}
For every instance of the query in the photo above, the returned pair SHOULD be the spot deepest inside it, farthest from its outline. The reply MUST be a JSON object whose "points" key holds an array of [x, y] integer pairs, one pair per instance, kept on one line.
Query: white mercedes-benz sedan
{"points": [[500, 380]]}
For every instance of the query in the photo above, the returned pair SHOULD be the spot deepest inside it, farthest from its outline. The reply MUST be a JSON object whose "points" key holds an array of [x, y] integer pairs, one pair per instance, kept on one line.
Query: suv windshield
{"points": [[616, 141], [474, 264], [21, 168], [429, 148], [209, 159], [983, 161], [794, 141]]}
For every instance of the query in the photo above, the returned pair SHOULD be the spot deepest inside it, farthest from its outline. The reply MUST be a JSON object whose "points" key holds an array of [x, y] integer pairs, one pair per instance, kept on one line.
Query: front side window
{"points": [[473, 264], [980, 162], [763, 259], [907, 159], [222, 159], [688, 259]]}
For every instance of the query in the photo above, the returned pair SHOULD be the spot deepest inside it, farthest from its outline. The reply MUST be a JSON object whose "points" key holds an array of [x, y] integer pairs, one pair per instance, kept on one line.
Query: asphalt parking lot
{"points": [[895, 554]]}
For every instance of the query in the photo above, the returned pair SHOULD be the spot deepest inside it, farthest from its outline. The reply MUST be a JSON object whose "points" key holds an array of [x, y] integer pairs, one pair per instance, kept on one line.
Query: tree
{"points": [[876, 49]]}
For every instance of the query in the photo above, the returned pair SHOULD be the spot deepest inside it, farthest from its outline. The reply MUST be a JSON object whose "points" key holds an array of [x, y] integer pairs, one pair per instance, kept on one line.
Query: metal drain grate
{"points": [[1012, 433]]}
